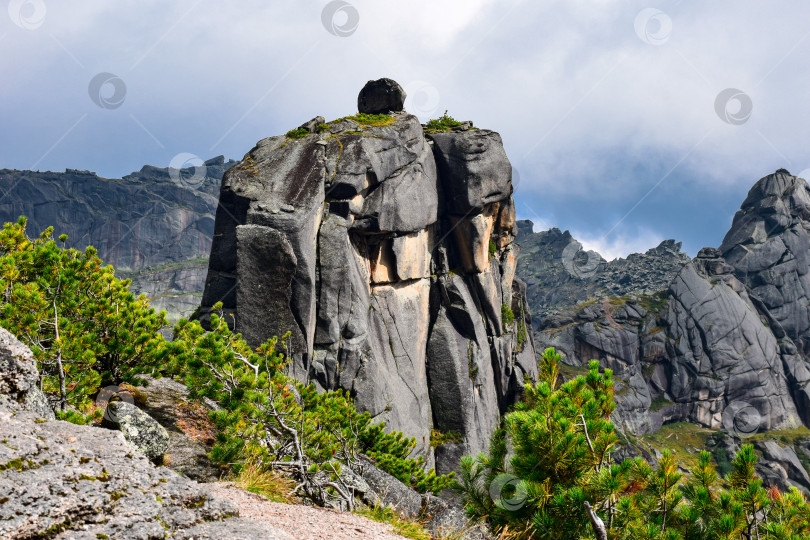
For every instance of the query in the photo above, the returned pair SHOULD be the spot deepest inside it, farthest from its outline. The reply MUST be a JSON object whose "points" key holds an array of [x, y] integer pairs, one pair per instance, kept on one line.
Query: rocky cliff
{"points": [[389, 255], [722, 344], [154, 225]]}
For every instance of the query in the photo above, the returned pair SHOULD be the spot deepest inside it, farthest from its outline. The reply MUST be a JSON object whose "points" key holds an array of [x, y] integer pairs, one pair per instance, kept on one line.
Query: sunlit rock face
{"points": [[388, 254]]}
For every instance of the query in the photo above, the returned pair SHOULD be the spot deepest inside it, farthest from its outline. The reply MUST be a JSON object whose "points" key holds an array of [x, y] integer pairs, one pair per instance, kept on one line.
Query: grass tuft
{"points": [[442, 124], [297, 133], [403, 526], [269, 484]]}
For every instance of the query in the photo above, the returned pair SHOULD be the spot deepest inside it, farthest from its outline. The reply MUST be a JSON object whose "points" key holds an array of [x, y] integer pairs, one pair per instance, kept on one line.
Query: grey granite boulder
{"points": [[380, 97], [473, 168], [19, 377], [140, 430]]}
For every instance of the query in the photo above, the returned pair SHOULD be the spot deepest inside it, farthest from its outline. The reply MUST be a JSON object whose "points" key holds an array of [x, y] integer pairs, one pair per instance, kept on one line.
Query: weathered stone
{"points": [[781, 467], [265, 298], [380, 97], [167, 401], [389, 491], [19, 377], [140, 430], [473, 168]]}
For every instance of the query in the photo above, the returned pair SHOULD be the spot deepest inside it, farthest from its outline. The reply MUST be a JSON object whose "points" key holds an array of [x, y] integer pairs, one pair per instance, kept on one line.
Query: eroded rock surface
{"points": [[389, 256], [60, 480]]}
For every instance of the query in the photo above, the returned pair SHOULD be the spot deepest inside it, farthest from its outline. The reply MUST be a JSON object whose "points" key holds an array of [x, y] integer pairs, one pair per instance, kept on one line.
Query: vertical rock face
{"points": [[394, 275], [726, 344], [769, 247]]}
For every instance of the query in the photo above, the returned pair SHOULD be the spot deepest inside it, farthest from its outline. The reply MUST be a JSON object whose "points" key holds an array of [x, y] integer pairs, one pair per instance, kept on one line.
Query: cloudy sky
{"points": [[627, 122]]}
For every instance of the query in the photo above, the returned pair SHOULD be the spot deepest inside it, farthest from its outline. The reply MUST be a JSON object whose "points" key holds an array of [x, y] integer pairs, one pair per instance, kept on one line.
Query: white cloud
{"points": [[586, 109], [619, 245]]}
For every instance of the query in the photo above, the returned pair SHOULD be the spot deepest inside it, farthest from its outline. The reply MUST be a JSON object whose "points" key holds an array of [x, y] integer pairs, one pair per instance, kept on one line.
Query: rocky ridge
{"points": [[559, 273], [722, 344], [389, 255], [154, 226]]}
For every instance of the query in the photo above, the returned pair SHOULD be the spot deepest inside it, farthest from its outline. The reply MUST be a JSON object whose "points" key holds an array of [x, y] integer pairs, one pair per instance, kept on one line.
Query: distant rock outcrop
{"points": [[559, 273], [718, 345], [389, 255], [154, 225]]}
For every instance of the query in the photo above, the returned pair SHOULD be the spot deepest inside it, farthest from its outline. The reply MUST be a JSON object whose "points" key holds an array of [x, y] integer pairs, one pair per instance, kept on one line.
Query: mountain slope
{"points": [[154, 226]]}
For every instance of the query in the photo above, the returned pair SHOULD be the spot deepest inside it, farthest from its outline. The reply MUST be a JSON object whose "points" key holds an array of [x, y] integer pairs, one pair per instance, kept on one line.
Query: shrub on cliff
{"points": [[83, 325], [562, 483]]}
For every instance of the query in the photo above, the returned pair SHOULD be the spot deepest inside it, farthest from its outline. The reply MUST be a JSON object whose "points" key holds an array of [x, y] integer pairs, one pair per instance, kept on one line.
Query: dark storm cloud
{"points": [[629, 122]]}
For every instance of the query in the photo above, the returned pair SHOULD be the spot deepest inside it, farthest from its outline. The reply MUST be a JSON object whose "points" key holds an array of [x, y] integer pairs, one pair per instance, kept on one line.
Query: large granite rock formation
{"points": [[389, 256], [769, 247], [154, 225], [718, 346]]}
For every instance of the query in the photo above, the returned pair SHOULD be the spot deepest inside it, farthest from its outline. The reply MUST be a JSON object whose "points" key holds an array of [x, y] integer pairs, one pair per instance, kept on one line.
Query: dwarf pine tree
{"points": [[83, 325], [269, 418], [561, 482]]}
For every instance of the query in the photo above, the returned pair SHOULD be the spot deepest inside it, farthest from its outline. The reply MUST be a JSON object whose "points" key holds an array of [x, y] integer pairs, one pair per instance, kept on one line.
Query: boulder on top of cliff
{"points": [[380, 97]]}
